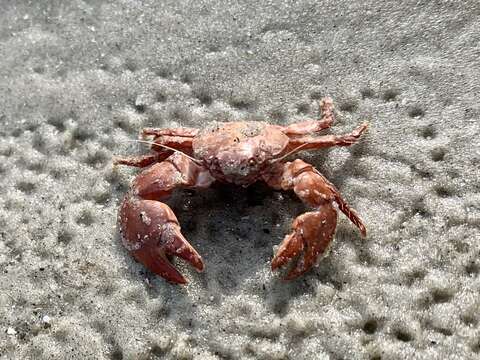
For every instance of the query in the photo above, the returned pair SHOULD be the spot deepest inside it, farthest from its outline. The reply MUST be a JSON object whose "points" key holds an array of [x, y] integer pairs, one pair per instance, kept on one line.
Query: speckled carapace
{"points": [[240, 153]]}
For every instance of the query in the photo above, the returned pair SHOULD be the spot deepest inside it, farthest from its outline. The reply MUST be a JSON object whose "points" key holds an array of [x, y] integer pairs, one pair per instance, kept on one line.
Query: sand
{"points": [[78, 79]]}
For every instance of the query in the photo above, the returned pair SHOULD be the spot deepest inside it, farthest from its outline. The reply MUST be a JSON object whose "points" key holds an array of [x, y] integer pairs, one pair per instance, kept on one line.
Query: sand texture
{"points": [[78, 79]]}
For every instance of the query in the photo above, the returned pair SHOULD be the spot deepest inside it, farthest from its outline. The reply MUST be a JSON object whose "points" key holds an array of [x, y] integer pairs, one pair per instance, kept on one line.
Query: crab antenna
{"points": [[168, 148], [288, 154]]}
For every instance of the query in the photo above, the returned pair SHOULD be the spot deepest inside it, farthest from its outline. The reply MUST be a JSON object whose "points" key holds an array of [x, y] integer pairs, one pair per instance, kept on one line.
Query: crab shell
{"points": [[239, 152]]}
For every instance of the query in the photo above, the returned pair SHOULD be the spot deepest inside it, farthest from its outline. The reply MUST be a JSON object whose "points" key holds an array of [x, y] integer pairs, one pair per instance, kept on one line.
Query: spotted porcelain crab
{"points": [[240, 153]]}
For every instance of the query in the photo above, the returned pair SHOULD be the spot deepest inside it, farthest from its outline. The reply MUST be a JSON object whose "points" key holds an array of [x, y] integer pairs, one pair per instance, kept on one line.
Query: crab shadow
{"points": [[235, 230]]}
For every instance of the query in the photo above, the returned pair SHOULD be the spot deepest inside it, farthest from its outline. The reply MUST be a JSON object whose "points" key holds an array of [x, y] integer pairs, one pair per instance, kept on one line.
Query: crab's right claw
{"points": [[151, 232], [312, 233]]}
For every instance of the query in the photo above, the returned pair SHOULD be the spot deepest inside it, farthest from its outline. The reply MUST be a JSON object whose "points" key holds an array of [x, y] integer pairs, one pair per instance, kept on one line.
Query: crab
{"points": [[241, 153]]}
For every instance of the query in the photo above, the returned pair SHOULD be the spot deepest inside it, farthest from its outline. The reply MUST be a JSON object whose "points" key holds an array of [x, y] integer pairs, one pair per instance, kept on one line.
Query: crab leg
{"points": [[312, 231], [180, 143], [149, 228], [308, 142], [142, 161], [312, 126], [183, 132]]}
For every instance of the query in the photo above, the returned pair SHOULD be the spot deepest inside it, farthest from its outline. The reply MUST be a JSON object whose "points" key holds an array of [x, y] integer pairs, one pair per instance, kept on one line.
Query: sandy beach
{"points": [[80, 79]]}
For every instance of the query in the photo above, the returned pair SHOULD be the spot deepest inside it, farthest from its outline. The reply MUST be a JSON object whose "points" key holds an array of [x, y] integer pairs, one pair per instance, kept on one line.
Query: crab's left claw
{"points": [[312, 234], [150, 230], [156, 257]]}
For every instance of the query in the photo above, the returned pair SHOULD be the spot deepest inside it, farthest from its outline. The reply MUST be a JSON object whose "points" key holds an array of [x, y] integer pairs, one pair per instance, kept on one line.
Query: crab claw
{"points": [[312, 233], [151, 232]]}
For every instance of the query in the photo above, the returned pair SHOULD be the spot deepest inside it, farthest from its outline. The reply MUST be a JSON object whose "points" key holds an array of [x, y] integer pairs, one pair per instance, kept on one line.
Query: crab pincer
{"points": [[149, 228], [151, 232], [313, 231]]}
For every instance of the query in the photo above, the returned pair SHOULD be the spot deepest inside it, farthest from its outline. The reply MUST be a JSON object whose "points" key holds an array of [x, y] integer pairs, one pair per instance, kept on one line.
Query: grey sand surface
{"points": [[78, 79]]}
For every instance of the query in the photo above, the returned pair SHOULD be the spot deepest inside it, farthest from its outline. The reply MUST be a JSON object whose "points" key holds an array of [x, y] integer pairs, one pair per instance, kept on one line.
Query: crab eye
{"points": [[251, 161]]}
